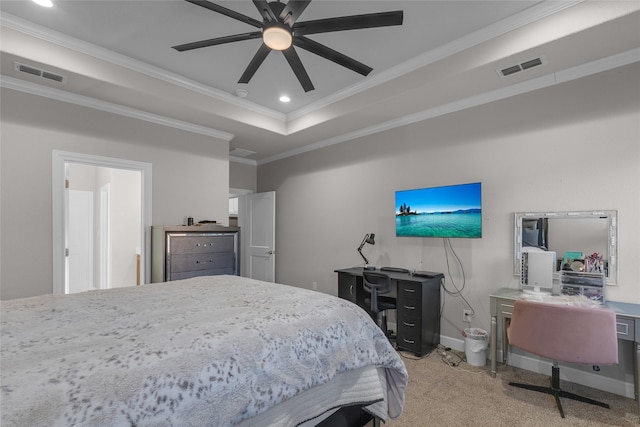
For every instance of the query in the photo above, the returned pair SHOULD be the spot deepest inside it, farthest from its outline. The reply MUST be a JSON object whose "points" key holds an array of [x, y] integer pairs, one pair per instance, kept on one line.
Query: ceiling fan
{"points": [[280, 31]]}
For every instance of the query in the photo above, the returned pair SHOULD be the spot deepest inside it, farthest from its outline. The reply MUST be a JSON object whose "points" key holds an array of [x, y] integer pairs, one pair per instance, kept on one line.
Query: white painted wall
{"points": [[190, 176], [575, 146]]}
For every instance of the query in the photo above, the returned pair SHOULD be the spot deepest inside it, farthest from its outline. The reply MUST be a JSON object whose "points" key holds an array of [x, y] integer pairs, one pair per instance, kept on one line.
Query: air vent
{"points": [[40, 73], [512, 69], [530, 64], [240, 152], [51, 76]]}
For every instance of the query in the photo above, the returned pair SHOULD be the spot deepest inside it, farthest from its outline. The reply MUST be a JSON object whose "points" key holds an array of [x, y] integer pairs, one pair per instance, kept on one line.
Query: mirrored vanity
{"points": [[585, 242], [574, 237]]}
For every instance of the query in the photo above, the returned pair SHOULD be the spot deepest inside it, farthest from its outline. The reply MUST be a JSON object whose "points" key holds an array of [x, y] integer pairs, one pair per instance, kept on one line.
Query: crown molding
{"points": [[483, 35], [552, 79], [85, 101], [523, 18], [590, 68], [243, 160], [65, 41]]}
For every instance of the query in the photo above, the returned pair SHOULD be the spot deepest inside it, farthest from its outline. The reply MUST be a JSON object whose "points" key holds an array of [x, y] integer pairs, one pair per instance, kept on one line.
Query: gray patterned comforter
{"points": [[208, 351]]}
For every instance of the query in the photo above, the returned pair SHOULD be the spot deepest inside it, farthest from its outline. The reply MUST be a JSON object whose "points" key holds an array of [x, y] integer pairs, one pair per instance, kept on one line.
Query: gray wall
{"points": [[190, 177], [574, 146], [243, 176]]}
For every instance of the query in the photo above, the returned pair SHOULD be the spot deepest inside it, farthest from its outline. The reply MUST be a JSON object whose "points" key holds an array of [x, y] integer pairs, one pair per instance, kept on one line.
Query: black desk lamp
{"points": [[368, 238]]}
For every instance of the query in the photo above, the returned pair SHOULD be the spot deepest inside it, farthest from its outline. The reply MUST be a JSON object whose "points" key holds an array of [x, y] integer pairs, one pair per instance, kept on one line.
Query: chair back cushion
{"points": [[374, 279], [567, 333]]}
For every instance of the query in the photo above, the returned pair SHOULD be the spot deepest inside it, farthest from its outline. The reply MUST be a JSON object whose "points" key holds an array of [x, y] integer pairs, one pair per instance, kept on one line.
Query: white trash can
{"points": [[476, 342]]}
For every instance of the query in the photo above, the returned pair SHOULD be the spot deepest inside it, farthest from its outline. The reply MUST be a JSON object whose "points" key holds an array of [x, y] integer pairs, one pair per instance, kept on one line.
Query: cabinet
{"points": [[417, 306], [181, 252]]}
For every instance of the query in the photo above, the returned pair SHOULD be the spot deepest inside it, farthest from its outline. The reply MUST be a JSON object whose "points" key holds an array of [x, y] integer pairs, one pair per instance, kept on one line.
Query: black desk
{"points": [[417, 302]]}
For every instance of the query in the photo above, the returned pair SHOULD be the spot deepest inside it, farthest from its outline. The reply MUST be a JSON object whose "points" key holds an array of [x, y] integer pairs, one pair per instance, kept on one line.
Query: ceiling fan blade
{"points": [[218, 40], [255, 63], [265, 10], [298, 69], [331, 55], [227, 12], [293, 10], [355, 22]]}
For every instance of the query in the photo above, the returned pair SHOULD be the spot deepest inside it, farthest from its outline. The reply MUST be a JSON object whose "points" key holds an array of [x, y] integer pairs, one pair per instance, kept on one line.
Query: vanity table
{"points": [[627, 325]]}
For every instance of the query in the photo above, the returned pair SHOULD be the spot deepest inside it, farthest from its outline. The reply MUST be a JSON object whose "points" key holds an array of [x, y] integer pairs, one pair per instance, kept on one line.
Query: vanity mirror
{"points": [[576, 235]]}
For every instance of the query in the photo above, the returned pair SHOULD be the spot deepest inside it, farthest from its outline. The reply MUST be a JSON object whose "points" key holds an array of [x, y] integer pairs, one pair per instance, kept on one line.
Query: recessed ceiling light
{"points": [[44, 3], [285, 98]]}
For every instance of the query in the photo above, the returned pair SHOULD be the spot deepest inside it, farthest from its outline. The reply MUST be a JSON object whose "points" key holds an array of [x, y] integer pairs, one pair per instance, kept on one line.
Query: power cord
{"points": [[450, 357]]}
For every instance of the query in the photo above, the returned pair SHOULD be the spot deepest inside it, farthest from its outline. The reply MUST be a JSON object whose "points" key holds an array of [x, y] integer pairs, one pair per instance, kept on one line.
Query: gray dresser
{"points": [[181, 252]]}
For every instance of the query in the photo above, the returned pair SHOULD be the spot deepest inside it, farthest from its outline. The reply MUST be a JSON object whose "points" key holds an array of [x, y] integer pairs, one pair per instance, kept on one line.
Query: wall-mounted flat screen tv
{"points": [[448, 211]]}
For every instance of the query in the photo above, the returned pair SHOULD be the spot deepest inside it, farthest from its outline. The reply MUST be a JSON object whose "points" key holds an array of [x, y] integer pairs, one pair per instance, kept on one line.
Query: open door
{"points": [[257, 221], [79, 252]]}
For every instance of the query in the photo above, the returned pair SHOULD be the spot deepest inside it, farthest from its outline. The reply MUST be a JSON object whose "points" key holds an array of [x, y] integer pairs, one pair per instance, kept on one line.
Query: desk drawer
{"points": [[625, 327], [409, 335], [407, 310], [409, 293]]}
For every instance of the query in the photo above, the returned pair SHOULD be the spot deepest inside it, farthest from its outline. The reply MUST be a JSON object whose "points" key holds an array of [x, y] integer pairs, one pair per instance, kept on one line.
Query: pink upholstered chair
{"points": [[565, 333]]}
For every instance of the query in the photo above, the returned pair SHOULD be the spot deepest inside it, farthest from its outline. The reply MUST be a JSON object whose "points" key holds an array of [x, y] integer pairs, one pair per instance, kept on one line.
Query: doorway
{"points": [[102, 241], [255, 214]]}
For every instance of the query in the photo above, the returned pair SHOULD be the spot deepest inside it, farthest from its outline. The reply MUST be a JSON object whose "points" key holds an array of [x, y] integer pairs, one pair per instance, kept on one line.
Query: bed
{"points": [[206, 351]]}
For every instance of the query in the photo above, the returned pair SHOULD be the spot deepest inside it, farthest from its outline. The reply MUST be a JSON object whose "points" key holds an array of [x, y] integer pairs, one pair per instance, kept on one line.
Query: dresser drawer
{"points": [[197, 273], [190, 244], [196, 262], [625, 327]]}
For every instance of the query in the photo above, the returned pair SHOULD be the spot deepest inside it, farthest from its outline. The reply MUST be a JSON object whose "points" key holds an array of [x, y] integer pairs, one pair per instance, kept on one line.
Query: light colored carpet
{"points": [[466, 395]]}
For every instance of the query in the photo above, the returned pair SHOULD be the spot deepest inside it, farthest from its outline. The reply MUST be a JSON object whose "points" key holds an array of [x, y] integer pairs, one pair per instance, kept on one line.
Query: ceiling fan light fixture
{"points": [[277, 37]]}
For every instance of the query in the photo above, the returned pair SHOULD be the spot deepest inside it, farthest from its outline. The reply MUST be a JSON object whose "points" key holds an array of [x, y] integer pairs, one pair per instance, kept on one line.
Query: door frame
{"points": [[59, 159]]}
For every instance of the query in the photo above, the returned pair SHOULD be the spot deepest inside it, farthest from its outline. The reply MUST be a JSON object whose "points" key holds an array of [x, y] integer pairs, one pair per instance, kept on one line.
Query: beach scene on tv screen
{"points": [[449, 211]]}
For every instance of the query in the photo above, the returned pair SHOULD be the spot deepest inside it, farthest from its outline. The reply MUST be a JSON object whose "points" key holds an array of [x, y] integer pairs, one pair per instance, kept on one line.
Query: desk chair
{"points": [[378, 284], [566, 333]]}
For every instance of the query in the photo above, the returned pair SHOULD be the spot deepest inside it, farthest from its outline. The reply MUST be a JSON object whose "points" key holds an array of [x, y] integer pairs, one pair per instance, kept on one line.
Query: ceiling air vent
{"points": [[512, 69], [240, 152], [39, 72]]}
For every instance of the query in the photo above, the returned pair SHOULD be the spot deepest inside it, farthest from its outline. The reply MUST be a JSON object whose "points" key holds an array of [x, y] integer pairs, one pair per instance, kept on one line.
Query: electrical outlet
{"points": [[315, 286], [466, 316]]}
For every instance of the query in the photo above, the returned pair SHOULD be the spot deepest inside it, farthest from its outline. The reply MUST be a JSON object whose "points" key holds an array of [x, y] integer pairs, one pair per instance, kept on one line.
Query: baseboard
{"points": [[533, 364], [452, 343]]}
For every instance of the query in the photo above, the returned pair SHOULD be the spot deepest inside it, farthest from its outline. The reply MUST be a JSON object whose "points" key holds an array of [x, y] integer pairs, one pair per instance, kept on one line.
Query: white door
{"points": [[257, 216], [105, 236], [80, 241]]}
